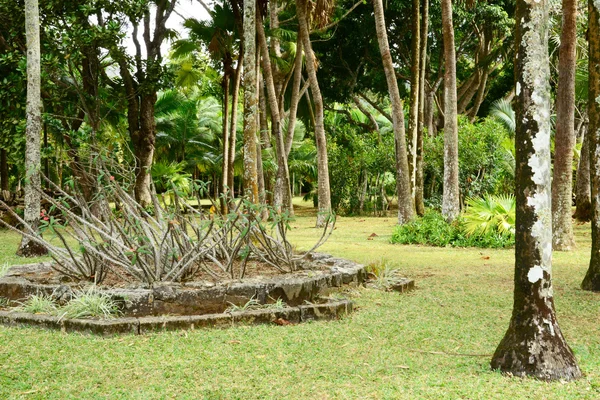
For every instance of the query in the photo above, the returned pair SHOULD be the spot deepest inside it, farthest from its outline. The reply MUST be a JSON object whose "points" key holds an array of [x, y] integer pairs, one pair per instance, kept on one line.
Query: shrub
{"points": [[485, 163], [433, 230], [383, 275]]}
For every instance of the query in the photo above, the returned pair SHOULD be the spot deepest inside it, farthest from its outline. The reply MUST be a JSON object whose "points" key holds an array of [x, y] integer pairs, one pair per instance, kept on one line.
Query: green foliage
{"points": [[485, 166], [4, 269], [171, 176], [383, 274], [432, 229], [38, 304], [490, 214], [90, 303]]}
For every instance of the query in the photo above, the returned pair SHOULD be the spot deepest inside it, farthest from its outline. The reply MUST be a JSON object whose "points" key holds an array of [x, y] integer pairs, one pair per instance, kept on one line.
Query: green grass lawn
{"points": [[433, 343]]}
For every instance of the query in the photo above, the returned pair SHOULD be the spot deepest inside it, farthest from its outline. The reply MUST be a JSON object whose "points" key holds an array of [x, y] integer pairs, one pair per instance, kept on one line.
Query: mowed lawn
{"points": [[433, 343]]}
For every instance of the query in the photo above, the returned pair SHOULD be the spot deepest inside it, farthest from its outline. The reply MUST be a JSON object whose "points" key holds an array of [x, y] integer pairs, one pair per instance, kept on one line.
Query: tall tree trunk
{"points": [[419, 180], [237, 79], [564, 141], [592, 277], [583, 195], [225, 174], [295, 98], [250, 102], [324, 191], [415, 69], [533, 344], [4, 170], [451, 192], [265, 140], [143, 149], [405, 203], [282, 193], [28, 248]]}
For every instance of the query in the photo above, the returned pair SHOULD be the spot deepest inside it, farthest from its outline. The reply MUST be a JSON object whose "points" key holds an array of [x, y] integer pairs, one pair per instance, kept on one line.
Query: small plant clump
{"points": [[87, 303], [90, 303], [383, 275], [254, 304], [4, 269], [433, 230], [38, 304]]}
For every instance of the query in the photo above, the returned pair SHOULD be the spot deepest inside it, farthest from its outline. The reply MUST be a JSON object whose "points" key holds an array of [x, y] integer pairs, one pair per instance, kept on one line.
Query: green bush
{"points": [[433, 230], [485, 163]]}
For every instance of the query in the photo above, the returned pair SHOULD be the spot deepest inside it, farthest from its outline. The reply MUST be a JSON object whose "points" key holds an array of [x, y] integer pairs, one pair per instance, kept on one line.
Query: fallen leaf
{"points": [[282, 322], [485, 257], [234, 342]]}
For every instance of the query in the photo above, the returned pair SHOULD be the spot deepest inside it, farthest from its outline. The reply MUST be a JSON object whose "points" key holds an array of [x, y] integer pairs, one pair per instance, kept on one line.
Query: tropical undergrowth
{"points": [[432, 229]]}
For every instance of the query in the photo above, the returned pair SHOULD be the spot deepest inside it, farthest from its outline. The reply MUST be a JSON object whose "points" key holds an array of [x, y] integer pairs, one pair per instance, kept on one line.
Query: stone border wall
{"points": [[196, 298], [143, 325]]}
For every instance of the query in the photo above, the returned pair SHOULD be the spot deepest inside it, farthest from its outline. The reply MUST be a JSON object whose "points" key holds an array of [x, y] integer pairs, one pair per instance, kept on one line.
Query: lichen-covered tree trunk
{"points": [[323, 188], [451, 194], [28, 248], [592, 277], [405, 201], [564, 140], [419, 179], [583, 194], [413, 112], [250, 102], [533, 344]]}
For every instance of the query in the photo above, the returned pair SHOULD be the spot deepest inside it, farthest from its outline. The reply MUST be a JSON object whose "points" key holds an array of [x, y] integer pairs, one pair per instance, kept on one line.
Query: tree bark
{"points": [[237, 80], [4, 170], [282, 194], [415, 69], [323, 188], [405, 202], [564, 140], [451, 194], [225, 173], [419, 180], [29, 248], [592, 277], [583, 195], [250, 102], [533, 344]]}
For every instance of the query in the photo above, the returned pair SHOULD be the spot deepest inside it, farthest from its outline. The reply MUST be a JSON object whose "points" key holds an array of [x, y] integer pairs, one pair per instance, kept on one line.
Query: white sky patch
{"points": [[183, 10]]}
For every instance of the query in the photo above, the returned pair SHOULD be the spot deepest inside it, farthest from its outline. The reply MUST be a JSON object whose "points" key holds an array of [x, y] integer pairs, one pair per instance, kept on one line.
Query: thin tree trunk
{"points": [[405, 203], [28, 248], [451, 193], [419, 180], [47, 158], [234, 111], [265, 140], [592, 277], [295, 97], [562, 181], [533, 344], [282, 194], [250, 102], [415, 81], [583, 194], [224, 189], [324, 191], [480, 95], [4, 170]]}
